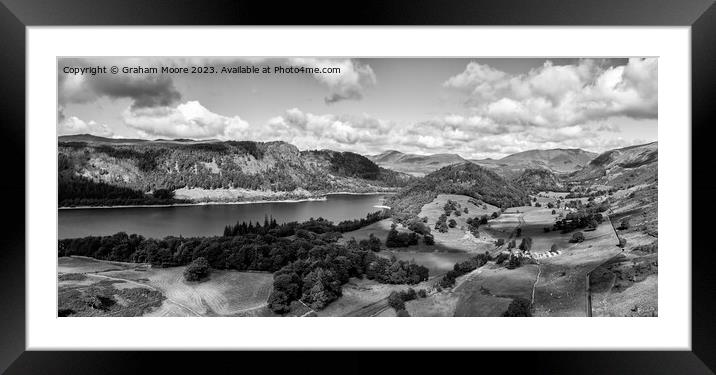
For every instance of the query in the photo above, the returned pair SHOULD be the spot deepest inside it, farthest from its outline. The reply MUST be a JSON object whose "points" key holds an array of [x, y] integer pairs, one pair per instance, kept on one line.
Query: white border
{"points": [[671, 330]]}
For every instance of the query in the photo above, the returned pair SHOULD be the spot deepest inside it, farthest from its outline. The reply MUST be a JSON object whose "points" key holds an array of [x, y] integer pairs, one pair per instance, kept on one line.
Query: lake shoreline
{"points": [[218, 203]]}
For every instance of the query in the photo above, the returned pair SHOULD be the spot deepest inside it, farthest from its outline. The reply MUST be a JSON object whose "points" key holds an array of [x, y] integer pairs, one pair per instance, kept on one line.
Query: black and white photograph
{"points": [[357, 187]]}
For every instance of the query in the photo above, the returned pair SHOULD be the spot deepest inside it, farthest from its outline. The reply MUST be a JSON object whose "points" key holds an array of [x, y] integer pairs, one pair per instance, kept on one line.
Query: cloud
{"points": [[560, 95], [310, 131], [186, 120], [74, 125], [349, 84], [144, 90], [151, 90], [474, 137]]}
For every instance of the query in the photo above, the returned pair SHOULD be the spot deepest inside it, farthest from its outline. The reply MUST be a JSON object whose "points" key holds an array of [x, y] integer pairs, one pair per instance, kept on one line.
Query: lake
{"points": [[208, 220]]}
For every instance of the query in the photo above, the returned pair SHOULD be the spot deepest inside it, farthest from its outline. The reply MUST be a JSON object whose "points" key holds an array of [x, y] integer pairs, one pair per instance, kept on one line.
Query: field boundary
{"points": [[588, 288]]}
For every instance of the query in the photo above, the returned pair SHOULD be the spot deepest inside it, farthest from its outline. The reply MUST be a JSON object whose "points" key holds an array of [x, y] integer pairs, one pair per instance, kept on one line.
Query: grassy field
{"points": [[225, 293], [458, 238], [626, 285], [561, 289], [492, 288], [363, 297]]}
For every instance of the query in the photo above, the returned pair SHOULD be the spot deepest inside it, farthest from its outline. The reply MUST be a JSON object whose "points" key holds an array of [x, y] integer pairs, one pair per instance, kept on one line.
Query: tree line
{"points": [[309, 264]]}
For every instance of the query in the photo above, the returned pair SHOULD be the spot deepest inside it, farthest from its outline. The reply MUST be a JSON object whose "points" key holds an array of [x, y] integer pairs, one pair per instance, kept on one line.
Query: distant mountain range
{"points": [[416, 165], [556, 160], [89, 138]]}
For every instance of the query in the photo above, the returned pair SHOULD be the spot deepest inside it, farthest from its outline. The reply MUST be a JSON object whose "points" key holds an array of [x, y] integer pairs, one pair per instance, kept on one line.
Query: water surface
{"points": [[207, 220]]}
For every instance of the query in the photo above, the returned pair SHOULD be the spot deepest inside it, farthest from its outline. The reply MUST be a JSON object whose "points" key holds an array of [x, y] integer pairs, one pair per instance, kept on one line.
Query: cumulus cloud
{"points": [[473, 137], [150, 90], [350, 83], [144, 90], [560, 95], [310, 131], [186, 120], [74, 125]]}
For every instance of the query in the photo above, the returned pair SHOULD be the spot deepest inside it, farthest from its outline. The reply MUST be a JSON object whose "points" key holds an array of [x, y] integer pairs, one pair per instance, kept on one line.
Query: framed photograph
{"points": [[230, 176]]}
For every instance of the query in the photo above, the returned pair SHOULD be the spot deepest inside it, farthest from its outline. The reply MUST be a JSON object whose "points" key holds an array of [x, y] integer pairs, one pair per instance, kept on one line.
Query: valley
{"points": [[559, 233]]}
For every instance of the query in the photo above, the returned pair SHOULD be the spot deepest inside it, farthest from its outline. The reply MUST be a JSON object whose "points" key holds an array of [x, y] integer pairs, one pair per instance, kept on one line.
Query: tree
{"points": [[320, 287], [429, 240], [500, 242], [452, 223], [395, 300], [374, 242], [592, 224], [278, 302], [409, 294], [577, 237], [417, 226], [553, 248], [513, 262], [625, 224], [422, 293], [518, 232], [197, 270]]}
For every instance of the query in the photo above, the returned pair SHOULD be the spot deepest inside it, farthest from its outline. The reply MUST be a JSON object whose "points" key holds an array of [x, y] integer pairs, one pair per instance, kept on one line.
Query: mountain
{"points": [[631, 165], [96, 168], [94, 139], [416, 165], [558, 160], [464, 179], [539, 179], [89, 138]]}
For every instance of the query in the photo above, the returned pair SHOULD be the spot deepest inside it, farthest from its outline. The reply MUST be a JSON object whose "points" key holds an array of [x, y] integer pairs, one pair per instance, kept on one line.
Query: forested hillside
{"points": [[464, 179], [539, 179], [87, 170]]}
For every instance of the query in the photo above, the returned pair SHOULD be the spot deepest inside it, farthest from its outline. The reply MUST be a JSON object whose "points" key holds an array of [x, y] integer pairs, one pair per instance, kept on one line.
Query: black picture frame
{"points": [[16, 15]]}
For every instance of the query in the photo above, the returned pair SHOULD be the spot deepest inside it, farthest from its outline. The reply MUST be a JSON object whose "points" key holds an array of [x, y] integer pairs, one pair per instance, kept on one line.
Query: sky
{"points": [[477, 108]]}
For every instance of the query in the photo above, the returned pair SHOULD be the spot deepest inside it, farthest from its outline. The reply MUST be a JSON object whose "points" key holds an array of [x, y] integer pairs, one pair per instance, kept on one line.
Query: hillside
{"points": [[539, 179], [557, 160], [626, 166], [92, 170], [416, 165], [464, 179]]}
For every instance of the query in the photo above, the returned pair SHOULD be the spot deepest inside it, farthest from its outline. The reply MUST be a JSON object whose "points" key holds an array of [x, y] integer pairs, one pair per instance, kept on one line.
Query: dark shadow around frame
{"points": [[15, 15]]}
